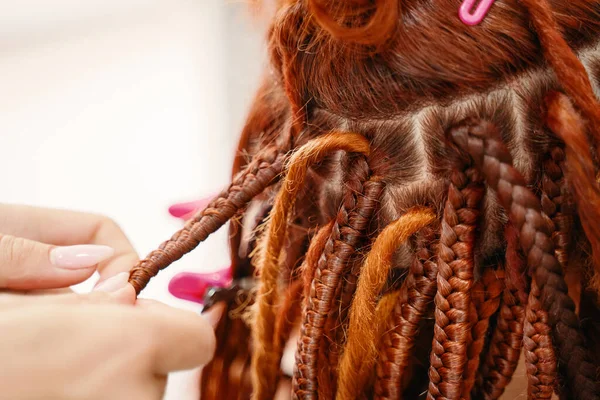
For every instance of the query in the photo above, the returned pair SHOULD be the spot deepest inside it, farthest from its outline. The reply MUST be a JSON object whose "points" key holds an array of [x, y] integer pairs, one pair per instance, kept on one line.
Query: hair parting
{"points": [[480, 140], [267, 355], [373, 276]]}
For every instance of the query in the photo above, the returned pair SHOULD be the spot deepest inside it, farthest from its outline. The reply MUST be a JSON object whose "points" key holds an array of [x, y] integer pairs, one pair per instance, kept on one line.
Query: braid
{"points": [[486, 295], [360, 350], [504, 349], [454, 281], [566, 124], [557, 203], [347, 233], [480, 139], [540, 357], [416, 296], [539, 353], [257, 176], [507, 339], [266, 356], [316, 248]]}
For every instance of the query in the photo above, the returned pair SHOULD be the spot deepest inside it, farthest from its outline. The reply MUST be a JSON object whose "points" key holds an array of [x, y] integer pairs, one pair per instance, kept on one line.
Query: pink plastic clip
{"points": [[193, 286], [475, 17], [187, 210]]}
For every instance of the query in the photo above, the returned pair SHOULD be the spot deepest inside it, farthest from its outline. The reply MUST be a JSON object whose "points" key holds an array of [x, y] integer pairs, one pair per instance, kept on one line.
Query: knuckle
{"points": [[14, 249], [109, 223]]}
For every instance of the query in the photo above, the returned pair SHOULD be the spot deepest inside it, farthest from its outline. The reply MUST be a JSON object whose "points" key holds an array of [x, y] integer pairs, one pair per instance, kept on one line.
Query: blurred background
{"points": [[123, 107]]}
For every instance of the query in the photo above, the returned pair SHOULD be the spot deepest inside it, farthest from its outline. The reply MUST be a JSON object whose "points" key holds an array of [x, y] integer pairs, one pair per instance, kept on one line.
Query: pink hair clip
{"points": [[187, 210], [475, 17], [194, 286]]}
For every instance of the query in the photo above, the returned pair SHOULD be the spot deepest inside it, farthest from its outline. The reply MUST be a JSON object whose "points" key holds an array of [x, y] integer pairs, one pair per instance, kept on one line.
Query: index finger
{"points": [[65, 228]]}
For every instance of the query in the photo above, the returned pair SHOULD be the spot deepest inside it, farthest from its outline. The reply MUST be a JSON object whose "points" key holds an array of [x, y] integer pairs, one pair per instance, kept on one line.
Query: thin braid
{"points": [[255, 178], [564, 121], [481, 140], [416, 297], [348, 232], [486, 295], [504, 349], [540, 358], [337, 321], [557, 203], [506, 341], [454, 281], [334, 334], [267, 355], [360, 351], [317, 245], [568, 68]]}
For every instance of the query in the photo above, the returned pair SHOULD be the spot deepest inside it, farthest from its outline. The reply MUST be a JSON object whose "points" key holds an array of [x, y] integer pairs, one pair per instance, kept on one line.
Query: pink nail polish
{"points": [[80, 256], [192, 286], [113, 283], [185, 210]]}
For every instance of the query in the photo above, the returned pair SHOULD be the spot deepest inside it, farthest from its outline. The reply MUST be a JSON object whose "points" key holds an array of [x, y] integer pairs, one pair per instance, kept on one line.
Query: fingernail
{"points": [[114, 283], [80, 256]]}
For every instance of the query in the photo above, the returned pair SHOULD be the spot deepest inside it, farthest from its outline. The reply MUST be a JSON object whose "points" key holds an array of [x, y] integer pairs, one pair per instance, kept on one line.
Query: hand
{"points": [[84, 346], [43, 248], [97, 349]]}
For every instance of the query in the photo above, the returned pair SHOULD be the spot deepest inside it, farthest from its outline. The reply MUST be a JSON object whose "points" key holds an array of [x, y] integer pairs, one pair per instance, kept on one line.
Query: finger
{"points": [[284, 390], [66, 228], [12, 300], [28, 265], [181, 339], [214, 314]]}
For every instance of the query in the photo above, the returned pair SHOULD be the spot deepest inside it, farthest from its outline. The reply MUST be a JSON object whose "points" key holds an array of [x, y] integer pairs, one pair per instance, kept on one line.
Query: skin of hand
{"points": [[58, 248], [99, 349], [99, 345]]}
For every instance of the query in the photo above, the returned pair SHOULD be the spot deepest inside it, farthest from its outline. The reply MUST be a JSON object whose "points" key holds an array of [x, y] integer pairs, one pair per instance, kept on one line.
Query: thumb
{"points": [[29, 265]]}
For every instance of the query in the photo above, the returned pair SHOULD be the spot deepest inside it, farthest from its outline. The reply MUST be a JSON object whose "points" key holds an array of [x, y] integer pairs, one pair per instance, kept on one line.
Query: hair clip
{"points": [[194, 286], [187, 210], [475, 17]]}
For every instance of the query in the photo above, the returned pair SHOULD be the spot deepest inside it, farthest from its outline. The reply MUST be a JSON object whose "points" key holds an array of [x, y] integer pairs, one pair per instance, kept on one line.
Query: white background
{"points": [[123, 107]]}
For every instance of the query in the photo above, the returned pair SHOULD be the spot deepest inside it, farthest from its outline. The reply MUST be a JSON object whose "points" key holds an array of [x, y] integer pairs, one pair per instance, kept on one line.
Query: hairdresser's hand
{"points": [[98, 350], [47, 249]]}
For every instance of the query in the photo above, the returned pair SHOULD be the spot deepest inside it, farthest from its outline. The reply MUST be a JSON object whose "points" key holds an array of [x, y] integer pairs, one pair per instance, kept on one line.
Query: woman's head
{"points": [[417, 197]]}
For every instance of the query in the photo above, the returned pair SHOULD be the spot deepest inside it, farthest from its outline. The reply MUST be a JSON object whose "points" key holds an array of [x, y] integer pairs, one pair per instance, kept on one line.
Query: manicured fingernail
{"points": [[114, 283], [80, 256]]}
